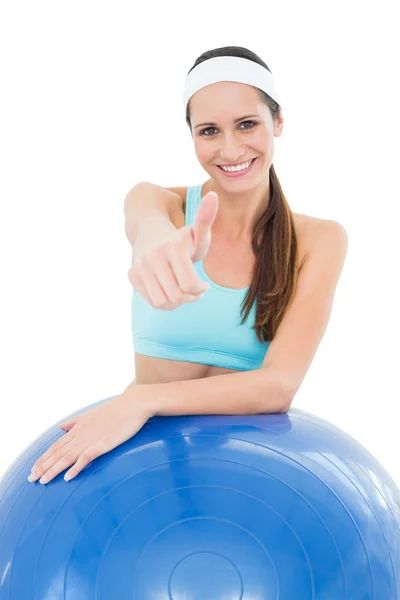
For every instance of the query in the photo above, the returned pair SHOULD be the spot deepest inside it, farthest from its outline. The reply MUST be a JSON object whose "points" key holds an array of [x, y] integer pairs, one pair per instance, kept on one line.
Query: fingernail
{"points": [[67, 477], [43, 479], [30, 478]]}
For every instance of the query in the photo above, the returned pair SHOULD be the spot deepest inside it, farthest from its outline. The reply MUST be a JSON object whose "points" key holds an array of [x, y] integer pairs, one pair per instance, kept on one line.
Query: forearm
{"points": [[148, 210], [244, 392]]}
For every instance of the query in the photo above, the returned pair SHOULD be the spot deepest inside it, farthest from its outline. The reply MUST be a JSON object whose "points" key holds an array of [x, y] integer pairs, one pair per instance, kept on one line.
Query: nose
{"points": [[231, 150]]}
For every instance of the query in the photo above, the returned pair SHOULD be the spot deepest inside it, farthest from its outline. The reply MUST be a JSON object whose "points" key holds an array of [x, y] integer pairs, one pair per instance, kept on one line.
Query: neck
{"points": [[238, 212]]}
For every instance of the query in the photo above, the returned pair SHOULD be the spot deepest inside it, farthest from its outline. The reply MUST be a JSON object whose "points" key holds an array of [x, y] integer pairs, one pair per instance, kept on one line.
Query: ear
{"points": [[278, 125]]}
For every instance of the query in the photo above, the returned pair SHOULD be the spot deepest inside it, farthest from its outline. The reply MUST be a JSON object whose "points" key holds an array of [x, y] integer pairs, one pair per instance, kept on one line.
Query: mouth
{"points": [[235, 174]]}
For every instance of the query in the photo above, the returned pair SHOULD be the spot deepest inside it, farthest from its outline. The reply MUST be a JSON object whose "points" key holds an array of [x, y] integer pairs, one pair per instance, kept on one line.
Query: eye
{"points": [[242, 123], [252, 122]]}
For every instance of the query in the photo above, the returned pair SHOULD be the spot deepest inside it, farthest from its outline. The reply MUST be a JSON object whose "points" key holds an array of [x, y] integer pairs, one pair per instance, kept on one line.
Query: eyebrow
{"points": [[235, 121]]}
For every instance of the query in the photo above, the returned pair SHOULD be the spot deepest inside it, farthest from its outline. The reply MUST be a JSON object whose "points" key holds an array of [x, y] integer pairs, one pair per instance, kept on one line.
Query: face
{"points": [[227, 142]]}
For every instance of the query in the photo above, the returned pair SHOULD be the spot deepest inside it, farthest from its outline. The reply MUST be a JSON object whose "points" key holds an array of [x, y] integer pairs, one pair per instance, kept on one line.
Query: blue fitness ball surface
{"points": [[266, 507]]}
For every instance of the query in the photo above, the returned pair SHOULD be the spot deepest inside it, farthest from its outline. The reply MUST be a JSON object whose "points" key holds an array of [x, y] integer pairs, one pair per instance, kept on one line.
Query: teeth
{"points": [[238, 168]]}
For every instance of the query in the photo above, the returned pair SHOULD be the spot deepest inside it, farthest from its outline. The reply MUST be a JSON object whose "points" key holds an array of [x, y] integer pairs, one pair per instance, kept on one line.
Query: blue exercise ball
{"points": [[262, 507]]}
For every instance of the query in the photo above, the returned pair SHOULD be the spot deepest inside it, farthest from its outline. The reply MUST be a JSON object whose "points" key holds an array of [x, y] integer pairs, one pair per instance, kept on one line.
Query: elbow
{"points": [[284, 408], [277, 395], [286, 400], [280, 405]]}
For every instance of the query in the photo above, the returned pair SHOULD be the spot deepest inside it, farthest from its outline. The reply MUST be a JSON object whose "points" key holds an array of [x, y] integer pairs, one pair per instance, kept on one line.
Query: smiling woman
{"points": [[229, 307], [264, 216]]}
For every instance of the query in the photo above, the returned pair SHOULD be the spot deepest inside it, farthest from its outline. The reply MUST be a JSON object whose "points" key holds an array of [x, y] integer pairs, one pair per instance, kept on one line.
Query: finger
{"points": [[137, 282], [156, 300], [51, 455], [185, 274], [84, 459], [66, 461], [161, 285], [149, 286], [154, 290], [177, 260], [140, 288], [66, 425]]}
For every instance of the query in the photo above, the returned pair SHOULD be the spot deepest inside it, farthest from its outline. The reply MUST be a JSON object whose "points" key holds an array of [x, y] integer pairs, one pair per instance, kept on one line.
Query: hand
{"points": [[91, 434], [164, 274]]}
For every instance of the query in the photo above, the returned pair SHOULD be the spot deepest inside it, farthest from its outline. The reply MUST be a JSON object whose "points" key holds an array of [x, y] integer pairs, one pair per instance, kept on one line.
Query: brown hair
{"points": [[275, 271]]}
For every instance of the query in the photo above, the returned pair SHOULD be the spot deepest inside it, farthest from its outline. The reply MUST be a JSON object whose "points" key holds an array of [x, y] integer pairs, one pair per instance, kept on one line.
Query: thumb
{"points": [[201, 228], [69, 423]]}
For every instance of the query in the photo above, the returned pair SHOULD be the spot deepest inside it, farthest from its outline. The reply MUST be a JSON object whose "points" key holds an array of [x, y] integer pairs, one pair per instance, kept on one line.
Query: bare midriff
{"points": [[150, 369], [229, 266]]}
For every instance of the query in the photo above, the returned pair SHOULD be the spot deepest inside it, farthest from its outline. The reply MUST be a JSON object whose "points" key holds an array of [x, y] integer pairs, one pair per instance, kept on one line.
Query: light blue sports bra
{"points": [[206, 331]]}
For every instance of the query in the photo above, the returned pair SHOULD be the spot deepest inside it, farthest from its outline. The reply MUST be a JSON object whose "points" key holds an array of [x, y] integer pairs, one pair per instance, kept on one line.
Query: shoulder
{"points": [[317, 235], [313, 228]]}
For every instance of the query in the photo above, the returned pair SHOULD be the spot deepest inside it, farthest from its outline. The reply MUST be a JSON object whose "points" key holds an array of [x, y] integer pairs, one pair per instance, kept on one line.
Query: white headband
{"points": [[229, 68]]}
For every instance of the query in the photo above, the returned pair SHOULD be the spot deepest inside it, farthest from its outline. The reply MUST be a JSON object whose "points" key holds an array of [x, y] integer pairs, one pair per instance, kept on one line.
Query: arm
{"points": [[241, 393], [150, 212]]}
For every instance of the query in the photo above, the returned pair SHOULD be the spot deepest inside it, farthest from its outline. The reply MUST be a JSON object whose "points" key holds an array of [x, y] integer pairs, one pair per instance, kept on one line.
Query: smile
{"points": [[239, 173]]}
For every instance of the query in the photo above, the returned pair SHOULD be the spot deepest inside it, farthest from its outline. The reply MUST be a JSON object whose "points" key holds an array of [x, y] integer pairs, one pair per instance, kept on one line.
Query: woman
{"points": [[278, 269]]}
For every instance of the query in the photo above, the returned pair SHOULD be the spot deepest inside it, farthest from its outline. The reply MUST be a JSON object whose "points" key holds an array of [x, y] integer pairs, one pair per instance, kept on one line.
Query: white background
{"points": [[91, 105]]}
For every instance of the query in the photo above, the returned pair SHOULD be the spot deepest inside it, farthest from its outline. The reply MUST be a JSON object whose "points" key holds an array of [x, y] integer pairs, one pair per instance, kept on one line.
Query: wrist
{"points": [[146, 396], [151, 234]]}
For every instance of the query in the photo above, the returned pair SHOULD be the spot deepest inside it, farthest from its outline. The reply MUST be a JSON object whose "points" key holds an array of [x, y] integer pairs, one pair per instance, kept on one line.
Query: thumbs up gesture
{"points": [[164, 274]]}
